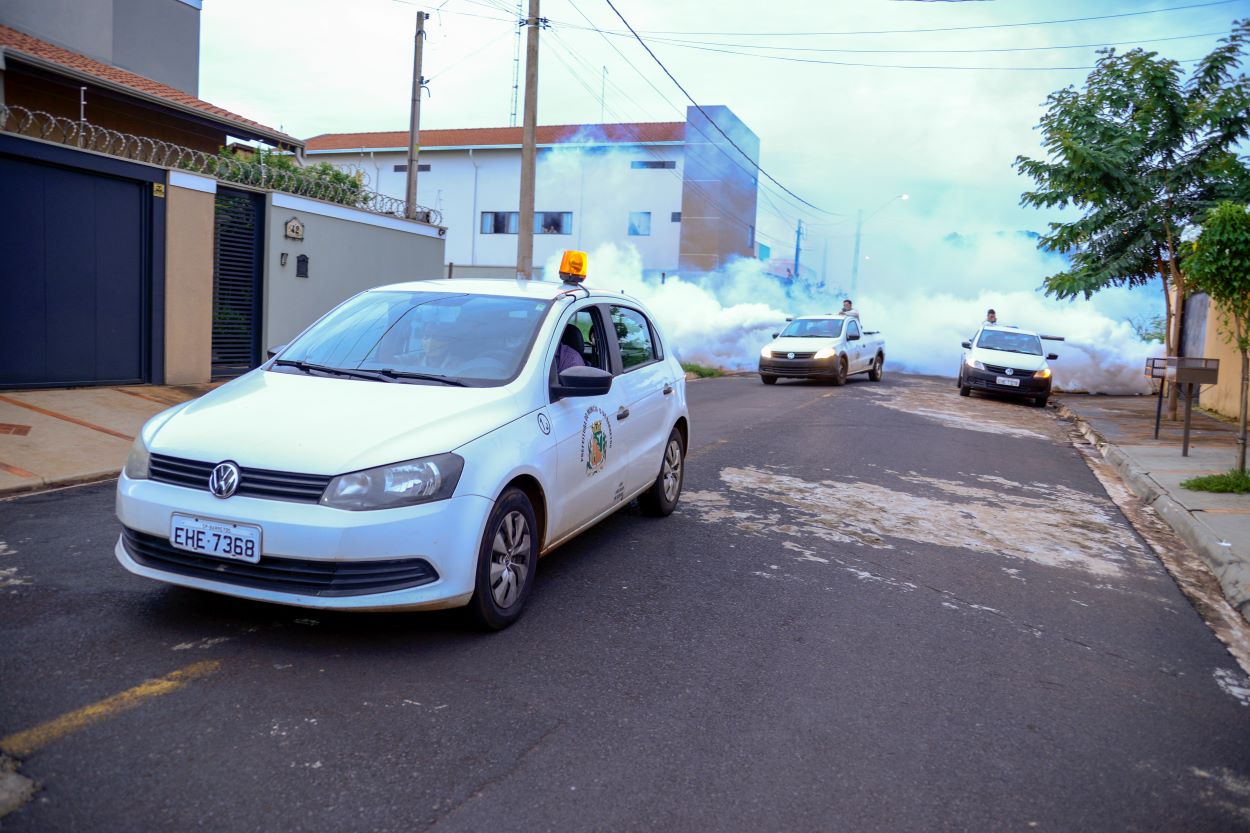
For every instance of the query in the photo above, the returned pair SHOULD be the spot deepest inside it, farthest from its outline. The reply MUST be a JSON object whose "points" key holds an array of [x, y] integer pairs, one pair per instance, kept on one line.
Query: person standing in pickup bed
{"points": [[991, 319], [849, 309]]}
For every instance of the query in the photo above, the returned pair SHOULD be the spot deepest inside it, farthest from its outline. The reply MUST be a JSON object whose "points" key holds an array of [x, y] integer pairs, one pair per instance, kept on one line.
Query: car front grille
{"points": [[284, 575], [1019, 374], [792, 370], [785, 354], [260, 483]]}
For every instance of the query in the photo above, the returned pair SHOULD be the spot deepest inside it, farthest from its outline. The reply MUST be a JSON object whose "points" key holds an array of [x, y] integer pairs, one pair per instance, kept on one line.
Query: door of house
{"points": [[75, 293], [237, 253]]}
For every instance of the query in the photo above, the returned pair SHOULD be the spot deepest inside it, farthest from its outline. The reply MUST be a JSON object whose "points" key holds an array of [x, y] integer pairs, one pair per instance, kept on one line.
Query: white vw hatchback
{"points": [[418, 447]]}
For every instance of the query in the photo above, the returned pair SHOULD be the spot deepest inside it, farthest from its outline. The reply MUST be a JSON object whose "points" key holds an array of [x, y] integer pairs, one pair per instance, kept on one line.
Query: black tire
{"points": [[1040, 401], [839, 377], [661, 499], [878, 368], [964, 390], [768, 380], [508, 554]]}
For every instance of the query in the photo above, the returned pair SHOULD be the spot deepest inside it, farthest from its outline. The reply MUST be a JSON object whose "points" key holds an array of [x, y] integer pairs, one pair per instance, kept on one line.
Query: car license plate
{"points": [[222, 539], [1011, 383]]}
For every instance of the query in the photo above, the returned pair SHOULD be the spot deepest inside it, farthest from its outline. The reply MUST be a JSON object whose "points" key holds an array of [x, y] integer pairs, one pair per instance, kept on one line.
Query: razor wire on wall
{"points": [[304, 182]]}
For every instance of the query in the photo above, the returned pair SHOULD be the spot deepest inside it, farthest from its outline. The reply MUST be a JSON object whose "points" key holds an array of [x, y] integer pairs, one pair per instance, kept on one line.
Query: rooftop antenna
{"points": [[516, 65]]}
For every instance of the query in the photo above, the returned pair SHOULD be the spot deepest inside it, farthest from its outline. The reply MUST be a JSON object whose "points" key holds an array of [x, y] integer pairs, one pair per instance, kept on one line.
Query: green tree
{"points": [[1219, 265], [1141, 151]]}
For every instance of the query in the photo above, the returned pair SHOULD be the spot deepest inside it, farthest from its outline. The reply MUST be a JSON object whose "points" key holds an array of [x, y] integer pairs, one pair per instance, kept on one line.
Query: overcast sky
{"points": [[843, 137]]}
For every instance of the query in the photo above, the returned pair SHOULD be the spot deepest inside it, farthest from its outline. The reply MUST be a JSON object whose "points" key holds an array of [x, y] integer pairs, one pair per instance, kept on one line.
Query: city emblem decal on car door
{"points": [[596, 440]]}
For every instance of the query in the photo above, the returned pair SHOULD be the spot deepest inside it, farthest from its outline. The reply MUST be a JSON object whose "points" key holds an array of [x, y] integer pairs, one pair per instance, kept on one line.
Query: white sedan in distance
{"points": [[418, 447]]}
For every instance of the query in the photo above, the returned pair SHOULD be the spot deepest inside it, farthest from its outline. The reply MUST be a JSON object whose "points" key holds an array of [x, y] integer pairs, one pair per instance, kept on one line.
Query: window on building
{"points": [[676, 216], [648, 164], [500, 222], [403, 169], [553, 222], [640, 224]]}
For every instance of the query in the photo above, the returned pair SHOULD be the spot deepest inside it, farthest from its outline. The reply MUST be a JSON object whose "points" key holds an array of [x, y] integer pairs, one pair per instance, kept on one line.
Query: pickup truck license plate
{"points": [[1011, 383], [222, 539]]}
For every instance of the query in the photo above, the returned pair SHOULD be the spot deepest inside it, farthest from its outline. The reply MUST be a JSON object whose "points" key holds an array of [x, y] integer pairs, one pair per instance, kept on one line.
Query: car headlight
{"points": [[826, 353], [400, 484], [766, 353], [974, 364], [1044, 373], [137, 462]]}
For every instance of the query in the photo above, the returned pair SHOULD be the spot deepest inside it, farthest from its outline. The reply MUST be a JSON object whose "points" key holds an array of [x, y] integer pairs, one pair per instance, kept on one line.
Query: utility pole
{"points": [[603, 93], [798, 239], [529, 152], [414, 120], [859, 228], [516, 67]]}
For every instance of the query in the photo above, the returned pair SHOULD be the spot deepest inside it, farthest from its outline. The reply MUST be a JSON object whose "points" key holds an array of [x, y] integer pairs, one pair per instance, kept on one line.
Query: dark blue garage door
{"points": [[74, 286]]}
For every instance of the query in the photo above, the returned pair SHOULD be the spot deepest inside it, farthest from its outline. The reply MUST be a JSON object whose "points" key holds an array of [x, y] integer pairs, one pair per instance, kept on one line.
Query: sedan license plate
{"points": [[221, 539], [1008, 382]]}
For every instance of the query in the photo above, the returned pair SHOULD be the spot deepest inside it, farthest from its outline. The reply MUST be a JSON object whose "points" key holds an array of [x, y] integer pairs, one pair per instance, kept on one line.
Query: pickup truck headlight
{"points": [[765, 353], [401, 484], [826, 353], [968, 361], [137, 462], [1044, 373]]}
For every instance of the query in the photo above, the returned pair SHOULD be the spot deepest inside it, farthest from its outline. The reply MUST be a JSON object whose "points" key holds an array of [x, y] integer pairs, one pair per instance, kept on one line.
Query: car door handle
{"points": [[667, 388], [622, 413]]}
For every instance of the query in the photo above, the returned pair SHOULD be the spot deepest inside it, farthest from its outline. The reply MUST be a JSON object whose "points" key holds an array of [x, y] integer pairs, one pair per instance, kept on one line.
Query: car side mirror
{"points": [[273, 351], [852, 337], [967, 345], [1050, 357], [776, 335], [582, 381]]}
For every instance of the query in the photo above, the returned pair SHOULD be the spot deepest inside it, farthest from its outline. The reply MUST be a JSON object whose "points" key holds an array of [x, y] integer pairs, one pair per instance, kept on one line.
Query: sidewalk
{"points": [[75, 435], [1216, 526]]}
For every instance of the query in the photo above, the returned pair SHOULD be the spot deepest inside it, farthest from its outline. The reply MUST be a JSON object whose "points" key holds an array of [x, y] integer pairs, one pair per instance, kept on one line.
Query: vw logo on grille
{"points": [[1010, 372], [789, 355], [224, 480]]}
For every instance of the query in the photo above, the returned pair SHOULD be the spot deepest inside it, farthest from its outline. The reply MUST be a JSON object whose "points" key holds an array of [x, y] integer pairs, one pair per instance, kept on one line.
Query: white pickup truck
{"points": [[827, 347]]}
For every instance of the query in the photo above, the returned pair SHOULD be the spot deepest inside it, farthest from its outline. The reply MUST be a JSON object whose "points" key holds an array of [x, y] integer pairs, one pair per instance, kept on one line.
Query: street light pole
{"points": [[529, 151]]}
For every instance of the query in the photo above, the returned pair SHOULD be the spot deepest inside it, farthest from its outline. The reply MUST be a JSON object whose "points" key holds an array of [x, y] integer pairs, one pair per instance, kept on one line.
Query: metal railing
{"points": [[38, 124]]}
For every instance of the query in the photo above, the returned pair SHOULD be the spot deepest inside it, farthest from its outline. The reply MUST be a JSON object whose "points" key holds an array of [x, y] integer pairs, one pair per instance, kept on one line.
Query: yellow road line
{"points": [[22, 744]]}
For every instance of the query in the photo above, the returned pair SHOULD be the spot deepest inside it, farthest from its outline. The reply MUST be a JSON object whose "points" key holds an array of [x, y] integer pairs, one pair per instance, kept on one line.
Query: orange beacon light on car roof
{"points": [[573, 266]]}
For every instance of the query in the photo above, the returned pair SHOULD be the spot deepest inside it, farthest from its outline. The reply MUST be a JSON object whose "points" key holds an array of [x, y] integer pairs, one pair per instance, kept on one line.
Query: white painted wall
{"points": [[597, 185]]}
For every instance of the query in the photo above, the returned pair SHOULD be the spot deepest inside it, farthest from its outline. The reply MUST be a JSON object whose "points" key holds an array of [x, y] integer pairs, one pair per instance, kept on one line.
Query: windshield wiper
{"points": [[309, 367], [428, 377], [1009, 350]]}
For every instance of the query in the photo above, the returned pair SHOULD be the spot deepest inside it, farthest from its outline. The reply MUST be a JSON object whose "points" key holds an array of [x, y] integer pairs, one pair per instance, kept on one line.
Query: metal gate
{"points": [[237, 253]]}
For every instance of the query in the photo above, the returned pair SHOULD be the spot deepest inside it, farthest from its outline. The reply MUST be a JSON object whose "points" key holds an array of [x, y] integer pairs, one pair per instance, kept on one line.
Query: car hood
{"points": [[1003, 358], [800, 345], [319, 425]]}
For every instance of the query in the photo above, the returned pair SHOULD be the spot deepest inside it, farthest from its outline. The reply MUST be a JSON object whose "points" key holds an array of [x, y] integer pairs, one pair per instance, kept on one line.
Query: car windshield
{"points": [[813, 328], [1010, 342], [430, 337]]}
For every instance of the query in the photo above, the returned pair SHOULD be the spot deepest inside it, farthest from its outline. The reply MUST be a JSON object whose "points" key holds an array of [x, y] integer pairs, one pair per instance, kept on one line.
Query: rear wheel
{"points": [[506, 562], [878, 368], [839, 377], [768, 380], [661, 499]]}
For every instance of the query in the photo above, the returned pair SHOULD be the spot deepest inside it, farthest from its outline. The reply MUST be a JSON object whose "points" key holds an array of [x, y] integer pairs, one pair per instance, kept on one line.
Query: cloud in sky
{"points": [[844, 137]]}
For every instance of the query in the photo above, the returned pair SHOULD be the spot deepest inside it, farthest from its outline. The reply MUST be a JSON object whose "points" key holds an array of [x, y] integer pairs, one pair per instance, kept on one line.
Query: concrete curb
{"points": [[43, 485], [1232, 573]]}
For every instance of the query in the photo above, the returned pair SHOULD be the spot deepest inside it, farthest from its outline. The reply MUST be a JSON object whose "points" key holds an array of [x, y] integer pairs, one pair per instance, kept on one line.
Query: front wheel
{"points": [[661, 499], [768, 380], [877, 370], [964, 390], [839, 377], [1040, 401], [506, 562]]}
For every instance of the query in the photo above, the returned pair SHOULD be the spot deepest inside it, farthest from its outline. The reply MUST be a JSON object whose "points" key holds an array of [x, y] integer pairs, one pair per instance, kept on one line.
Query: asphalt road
{"points": [[864, 616]]}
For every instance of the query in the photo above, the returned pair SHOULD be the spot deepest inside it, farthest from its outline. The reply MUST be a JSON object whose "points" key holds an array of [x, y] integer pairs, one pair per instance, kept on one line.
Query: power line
{"points": [[699, 107], [720, 148], [677, 42], [939, 28]]}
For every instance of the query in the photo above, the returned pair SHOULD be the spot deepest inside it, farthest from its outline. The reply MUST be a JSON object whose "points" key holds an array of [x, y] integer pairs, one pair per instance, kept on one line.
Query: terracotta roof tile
{"points": [[20, 43], [479, 136]]}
